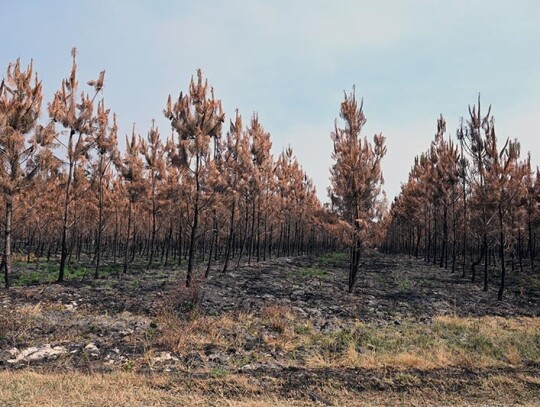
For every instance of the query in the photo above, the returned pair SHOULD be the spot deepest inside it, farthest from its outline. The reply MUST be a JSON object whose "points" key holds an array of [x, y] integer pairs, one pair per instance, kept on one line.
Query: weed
{"points": [[310, 273], [128, 366], [78, 271], [334, 258], [404, 285], [135, 283], [219, 372], [451, 341]]}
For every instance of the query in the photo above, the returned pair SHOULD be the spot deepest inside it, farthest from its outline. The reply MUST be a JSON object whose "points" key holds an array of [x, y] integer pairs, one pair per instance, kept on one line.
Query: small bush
{"points": [[183, 302]]}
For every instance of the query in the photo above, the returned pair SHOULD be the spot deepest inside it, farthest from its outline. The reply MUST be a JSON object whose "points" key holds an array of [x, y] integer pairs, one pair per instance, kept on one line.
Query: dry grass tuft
{"points": [[15, 323], [183, 301], [274, 328], [278, 318]]}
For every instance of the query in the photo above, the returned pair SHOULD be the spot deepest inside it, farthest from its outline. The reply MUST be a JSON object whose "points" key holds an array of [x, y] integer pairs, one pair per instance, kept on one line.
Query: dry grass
{"points": [[129, 389], [448, 342], [276, 334], [15, 323], [274, 328]]}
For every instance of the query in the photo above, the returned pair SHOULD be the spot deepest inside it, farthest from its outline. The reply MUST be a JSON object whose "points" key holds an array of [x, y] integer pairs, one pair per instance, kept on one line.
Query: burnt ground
{"points": [[114, 322], [389, 289]]}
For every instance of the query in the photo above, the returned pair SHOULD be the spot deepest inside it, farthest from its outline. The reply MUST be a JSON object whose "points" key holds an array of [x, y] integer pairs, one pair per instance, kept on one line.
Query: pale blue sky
{"points": [[291, 61]]}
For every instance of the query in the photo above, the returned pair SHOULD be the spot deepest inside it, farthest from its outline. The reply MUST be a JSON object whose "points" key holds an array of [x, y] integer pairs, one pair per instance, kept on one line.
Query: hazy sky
{"points": [[291, 61]]}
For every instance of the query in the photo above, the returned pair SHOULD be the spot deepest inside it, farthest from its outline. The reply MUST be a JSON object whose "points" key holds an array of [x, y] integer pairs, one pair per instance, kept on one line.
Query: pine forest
{"points": [[190, 259]]}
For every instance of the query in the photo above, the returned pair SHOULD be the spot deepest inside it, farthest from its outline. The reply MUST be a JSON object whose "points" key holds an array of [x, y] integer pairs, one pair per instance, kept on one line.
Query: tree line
{"points": [[204, 195], [470, 204], [213, 195]]}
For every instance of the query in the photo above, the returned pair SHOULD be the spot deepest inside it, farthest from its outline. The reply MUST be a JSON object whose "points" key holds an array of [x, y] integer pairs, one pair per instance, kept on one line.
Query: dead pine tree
{"points": [[502, 169], [105, 144], [23, 144], [474, 142], [76, 115], [232, 175], [153, 151], [196, 117], [131, 170], [356, 177]]}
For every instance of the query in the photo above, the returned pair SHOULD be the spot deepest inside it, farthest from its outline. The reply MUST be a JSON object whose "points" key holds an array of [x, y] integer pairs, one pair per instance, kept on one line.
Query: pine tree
{"points": [[77, 117], [356, 177], [23, 144], [154, 154], [197, 118], [131, 170], [105, 144]]}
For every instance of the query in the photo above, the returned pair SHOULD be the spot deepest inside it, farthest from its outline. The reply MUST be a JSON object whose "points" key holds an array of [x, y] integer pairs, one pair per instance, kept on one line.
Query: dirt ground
{"points": [[123, 323]]}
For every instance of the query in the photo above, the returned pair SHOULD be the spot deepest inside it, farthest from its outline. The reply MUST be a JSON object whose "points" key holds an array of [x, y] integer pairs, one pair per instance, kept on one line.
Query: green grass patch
{"points": [[219, 373], [310, 273], [333, 258], [449, 341], [78, 271]]}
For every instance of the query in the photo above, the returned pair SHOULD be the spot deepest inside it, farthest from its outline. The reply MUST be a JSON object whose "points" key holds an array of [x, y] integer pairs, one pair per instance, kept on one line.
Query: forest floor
{"points": [[280, 332]]}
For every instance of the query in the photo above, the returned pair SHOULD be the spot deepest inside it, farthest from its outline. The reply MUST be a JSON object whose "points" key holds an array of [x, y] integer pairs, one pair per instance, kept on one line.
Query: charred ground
{"points": [[285, 329]]}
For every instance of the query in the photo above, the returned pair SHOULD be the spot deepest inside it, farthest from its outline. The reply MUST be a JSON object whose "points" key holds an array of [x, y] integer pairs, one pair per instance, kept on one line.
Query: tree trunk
{"points": [[229, 238], [100, 228], [153, 235], [244, 241], [520, 251], [486, 261], [115, 240], [194, 225], [444, 254], [531, 243], [503, 265], [128, 235], [63, 254], [6, 259], [180, 240], [252, 233], [355, 261], [213, 243]]}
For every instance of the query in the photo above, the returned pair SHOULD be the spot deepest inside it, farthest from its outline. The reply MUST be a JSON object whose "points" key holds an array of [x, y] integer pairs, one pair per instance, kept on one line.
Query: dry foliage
{"points": [[197, 195], [469, 203], [357, 179]]}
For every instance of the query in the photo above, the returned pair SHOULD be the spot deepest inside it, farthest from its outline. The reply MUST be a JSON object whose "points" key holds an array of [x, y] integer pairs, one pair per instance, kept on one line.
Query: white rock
{"points": [[164, 357], [92, 348], [37, 353]]}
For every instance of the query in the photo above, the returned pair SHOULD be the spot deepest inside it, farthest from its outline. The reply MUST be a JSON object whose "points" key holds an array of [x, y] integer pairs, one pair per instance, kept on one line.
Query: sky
{"points": [[291, 61]]}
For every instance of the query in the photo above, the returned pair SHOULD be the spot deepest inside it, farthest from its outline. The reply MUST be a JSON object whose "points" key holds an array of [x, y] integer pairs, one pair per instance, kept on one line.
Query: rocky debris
{"points": [[164, 357], [253, 367], [35, 353], [92, 349], [71, 306]]}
